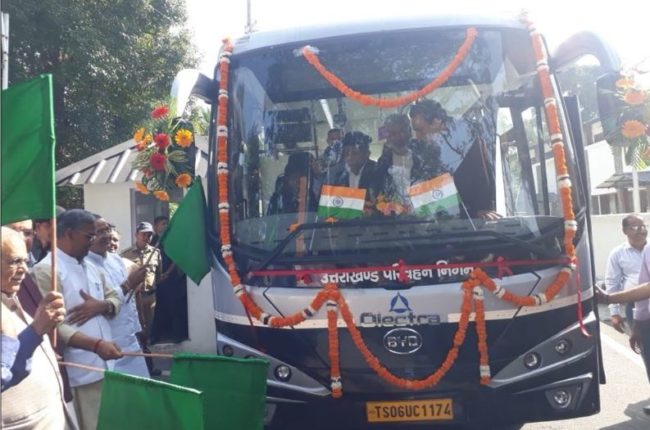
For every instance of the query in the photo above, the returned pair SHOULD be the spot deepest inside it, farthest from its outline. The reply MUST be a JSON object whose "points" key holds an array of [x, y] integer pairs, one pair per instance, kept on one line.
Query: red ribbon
{"points": [[583, 329], [502, 268], [403, 277]]}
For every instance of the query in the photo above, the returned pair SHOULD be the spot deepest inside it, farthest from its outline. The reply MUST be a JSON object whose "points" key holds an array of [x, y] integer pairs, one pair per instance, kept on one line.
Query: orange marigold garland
{"points": [[333, 341], [367, 100], [472, 288]]}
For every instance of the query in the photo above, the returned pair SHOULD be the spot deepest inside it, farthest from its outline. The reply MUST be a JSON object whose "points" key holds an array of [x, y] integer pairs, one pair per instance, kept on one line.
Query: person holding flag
{"points": [[126, 324]]}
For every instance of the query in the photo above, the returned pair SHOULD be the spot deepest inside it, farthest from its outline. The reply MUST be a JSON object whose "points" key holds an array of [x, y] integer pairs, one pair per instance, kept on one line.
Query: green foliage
{"points": [[110, 60]]}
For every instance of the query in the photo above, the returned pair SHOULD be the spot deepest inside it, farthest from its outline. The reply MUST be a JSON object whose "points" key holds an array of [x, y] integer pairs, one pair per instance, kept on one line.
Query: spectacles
{"points": [[638, 227], [15, 262], [89, 236]]}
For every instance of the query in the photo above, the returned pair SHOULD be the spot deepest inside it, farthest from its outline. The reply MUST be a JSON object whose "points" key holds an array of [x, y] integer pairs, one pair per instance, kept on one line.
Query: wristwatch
{"points": [[111, 308]]}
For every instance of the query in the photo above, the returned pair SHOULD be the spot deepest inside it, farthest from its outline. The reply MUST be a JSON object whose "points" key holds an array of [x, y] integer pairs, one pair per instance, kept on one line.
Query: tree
{"points": [[580, 80], [111, 59]]}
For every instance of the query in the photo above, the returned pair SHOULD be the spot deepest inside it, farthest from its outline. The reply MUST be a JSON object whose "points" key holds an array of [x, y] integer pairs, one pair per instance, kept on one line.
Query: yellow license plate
{"points": [[412, 410]]}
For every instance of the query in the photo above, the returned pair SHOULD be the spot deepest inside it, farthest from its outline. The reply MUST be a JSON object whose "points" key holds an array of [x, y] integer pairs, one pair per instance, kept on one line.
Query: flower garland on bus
{"points": [[472, 287], [310, 55]]}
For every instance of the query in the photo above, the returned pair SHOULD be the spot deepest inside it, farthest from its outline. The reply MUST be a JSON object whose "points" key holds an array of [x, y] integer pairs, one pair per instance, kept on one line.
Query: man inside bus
{"points": [[294, 191], [461, 151], [402, 164], [358, 169], [623, 266]]}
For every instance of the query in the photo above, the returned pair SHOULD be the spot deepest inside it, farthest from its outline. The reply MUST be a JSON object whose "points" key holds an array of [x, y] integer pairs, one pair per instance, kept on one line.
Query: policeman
{"points": [[145, 255]]}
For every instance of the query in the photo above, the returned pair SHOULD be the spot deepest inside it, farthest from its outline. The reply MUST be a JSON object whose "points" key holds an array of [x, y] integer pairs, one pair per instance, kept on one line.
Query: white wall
{"points": [[202, 330], [112, 202]]}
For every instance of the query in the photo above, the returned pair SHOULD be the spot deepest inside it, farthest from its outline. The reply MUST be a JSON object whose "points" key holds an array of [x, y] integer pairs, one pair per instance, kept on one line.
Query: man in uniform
{"points": [[145, 255]]}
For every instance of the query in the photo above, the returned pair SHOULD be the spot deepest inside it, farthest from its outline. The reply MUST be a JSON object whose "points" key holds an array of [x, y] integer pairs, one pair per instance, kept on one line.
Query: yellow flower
{"points": [[139, 135], [183, 180], [634, 97], [633, 129], [183, 138], [148, 138], [141, 188], [161, 195]]}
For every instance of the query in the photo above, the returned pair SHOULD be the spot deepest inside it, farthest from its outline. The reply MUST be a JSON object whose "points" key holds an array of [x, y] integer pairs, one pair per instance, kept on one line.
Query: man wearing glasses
{"points": [[623, 266], [89, 303]]}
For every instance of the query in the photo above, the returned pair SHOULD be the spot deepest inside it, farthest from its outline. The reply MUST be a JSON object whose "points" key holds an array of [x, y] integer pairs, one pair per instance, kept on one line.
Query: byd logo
{"points": [[402, 341]]}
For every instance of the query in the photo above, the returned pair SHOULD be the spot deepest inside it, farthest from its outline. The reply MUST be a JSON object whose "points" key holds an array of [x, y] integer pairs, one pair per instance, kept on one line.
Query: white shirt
{"points": [[73, 278], [623, 267], [126, 323], [353, 181]]}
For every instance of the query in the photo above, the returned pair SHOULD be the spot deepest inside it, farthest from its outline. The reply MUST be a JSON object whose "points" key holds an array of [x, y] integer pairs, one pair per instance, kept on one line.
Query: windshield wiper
{"points": [[317, 226]]}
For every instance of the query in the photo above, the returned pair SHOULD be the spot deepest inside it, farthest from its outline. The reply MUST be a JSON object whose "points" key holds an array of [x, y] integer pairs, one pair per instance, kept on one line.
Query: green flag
{"points": [[234, 389], [27, 157], [185, 240], [134, 403]]}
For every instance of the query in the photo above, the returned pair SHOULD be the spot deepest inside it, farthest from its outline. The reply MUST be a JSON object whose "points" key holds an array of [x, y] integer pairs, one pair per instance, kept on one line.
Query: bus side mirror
{"points": [[190, 82], [610, 106]]}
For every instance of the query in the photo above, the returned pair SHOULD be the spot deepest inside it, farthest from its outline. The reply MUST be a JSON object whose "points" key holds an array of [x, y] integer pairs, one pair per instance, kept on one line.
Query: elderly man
{"points": [[125, 324], [89, 303], [32, 395]]}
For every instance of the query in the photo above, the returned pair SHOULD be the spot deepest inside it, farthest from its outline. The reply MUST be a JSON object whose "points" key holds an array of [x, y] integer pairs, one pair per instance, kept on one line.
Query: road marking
{"points": [[622, 350]]}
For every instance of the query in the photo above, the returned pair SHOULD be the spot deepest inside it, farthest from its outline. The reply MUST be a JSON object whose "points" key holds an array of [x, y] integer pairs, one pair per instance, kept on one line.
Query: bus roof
{"points": [[265, 39]]}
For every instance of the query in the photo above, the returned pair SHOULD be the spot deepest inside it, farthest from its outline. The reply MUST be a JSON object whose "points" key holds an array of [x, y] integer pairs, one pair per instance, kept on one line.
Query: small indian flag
{"points": [[435, 196], [341, 202]]}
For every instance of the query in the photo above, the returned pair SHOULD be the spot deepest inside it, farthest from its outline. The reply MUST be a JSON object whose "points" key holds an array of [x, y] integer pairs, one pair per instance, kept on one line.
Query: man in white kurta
{"points": [[126, 323], [89, 303]]}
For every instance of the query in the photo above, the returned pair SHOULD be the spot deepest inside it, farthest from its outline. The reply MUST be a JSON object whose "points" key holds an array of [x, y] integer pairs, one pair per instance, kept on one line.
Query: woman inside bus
{"points": [[461, 151]]}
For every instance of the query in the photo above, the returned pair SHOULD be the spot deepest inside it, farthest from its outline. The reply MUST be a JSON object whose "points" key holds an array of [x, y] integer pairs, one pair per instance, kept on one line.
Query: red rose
{"points": [[158, 161], [159, 112], [162, 140]]}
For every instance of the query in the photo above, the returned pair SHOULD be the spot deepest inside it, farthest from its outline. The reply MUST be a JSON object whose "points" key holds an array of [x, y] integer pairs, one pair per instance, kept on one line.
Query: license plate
{"points": [[412, 410]]}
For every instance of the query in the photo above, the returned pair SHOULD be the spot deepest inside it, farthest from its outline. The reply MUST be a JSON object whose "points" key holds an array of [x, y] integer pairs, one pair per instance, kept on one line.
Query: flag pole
{"points": [[53, 248]]}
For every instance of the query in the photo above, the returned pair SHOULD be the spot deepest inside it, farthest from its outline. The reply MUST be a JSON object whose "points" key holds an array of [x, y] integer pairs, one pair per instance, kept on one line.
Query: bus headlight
{"points": [[227, 350], [282, 373], [532, 360], [562, 398], [563, 346]]}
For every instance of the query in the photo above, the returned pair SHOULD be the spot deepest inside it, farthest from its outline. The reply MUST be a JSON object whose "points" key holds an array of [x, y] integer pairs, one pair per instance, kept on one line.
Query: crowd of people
{"points": [[440, 145], [101, 311]]}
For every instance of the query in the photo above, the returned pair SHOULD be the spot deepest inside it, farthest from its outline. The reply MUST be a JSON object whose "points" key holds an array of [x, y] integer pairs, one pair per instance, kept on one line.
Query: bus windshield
{"points": [[465, 173]]}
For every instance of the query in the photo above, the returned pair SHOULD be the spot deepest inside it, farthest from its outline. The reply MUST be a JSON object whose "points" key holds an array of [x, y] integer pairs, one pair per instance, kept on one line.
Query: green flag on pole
{"points": [[134, 403], [185, 239], [27, 155], [234, 389]]}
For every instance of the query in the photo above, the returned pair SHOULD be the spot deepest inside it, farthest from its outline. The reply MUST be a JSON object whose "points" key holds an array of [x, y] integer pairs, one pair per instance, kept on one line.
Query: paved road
{"points": [[622, 398]]}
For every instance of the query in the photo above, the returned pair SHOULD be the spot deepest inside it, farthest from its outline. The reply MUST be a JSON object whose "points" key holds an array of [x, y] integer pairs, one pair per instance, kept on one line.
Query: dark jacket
{"points": [[341, 176]]}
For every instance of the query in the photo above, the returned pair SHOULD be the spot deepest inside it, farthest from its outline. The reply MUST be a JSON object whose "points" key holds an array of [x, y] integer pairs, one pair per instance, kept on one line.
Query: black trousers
{"points": [[644, 330]]}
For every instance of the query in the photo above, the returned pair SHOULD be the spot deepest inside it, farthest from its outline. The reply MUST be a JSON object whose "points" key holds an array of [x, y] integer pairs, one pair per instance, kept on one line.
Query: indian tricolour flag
{"points": [[435, 196], [341, 202]]}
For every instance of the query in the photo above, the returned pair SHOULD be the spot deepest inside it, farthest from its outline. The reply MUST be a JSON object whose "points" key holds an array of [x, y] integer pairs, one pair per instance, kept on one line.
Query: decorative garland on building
{"points": [[310, 55], [472, 288]]}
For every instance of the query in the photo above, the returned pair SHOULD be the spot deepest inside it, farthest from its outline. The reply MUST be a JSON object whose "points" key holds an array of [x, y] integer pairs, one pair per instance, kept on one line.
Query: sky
{"points": [[624, 24]]}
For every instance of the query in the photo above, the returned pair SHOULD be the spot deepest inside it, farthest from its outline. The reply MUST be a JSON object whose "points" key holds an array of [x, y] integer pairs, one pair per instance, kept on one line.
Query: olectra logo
{"points": [[399, 305], [402, 341]]}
